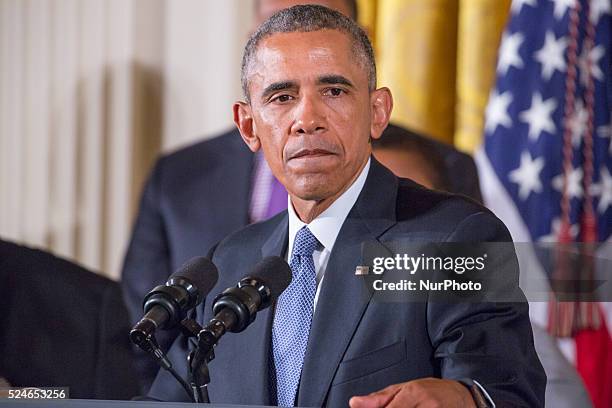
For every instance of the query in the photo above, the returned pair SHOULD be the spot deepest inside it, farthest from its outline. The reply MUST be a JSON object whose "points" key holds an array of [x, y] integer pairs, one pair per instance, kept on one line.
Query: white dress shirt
{"points": [[327, 225]]}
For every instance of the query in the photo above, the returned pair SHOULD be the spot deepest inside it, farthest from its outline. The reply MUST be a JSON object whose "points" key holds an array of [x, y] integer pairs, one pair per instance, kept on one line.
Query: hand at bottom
{"points": [[425, 392]]}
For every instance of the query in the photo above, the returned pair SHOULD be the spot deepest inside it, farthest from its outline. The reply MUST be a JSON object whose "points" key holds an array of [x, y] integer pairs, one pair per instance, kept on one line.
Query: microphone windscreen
{"points": [[275, 272], [200, 272]]}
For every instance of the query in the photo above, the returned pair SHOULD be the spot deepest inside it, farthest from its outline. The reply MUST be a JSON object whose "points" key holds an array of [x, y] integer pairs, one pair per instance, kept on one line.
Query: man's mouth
{"points": [[308, 153]]}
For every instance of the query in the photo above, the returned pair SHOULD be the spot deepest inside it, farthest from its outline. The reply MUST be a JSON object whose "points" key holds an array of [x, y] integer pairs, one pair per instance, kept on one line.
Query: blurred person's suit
{"points": [[62, 325], [198, 195]]}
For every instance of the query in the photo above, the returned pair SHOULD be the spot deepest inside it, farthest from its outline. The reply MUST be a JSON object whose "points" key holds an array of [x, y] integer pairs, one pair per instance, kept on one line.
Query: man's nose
{"points": [[310, 116]]}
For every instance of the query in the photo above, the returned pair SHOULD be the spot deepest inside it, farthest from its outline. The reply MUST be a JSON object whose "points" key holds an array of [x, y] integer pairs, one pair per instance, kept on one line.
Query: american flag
{"points": [[546, 162]]}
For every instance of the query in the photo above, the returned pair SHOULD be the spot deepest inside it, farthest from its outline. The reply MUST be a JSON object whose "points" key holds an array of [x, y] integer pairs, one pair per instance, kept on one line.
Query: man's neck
{"points": [[308, 210]]}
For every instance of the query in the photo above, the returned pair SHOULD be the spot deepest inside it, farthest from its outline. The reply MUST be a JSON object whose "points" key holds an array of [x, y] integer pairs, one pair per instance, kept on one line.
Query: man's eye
{"points": [[282, 98], [334, 91]]}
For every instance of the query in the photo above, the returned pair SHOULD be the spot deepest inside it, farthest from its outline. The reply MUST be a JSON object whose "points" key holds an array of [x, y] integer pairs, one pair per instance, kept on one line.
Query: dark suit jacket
{"points": [[200, 194], [357, 345], [61, 325]]}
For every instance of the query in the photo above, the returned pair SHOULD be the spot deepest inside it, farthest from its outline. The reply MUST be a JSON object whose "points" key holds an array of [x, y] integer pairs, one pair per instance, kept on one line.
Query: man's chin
{"points": [[313, 187]]}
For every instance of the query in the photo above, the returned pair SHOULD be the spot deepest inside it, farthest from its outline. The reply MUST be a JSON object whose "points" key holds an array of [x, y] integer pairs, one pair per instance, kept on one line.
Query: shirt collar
{"points": [[327, 225]]}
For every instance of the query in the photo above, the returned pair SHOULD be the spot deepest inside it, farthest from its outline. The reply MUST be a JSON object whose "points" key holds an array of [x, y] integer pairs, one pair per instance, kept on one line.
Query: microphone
{"points": [[235, 308], [166, 305]]}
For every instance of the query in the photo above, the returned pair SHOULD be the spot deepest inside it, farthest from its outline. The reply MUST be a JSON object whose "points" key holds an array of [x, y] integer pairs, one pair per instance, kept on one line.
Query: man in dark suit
{"points": [[312, 106], [196, 196]]}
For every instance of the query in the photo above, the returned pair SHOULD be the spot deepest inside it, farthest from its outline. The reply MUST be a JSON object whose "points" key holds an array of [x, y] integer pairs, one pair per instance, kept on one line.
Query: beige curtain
{"points": [[90, 91]]}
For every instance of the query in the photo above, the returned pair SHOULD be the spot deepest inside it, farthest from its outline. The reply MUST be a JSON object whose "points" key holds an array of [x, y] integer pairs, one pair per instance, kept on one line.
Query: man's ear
{"points": [[382, 105], [243, 119]]}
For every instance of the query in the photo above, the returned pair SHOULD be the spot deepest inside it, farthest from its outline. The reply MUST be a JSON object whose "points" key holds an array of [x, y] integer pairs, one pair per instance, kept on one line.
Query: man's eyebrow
{"points": [[278, 86], [335, 80]]}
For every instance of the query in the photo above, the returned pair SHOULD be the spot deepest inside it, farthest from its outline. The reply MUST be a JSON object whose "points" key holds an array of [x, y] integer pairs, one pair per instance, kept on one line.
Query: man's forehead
{"points": [[303, 57], [305, 39], [318, 47]]}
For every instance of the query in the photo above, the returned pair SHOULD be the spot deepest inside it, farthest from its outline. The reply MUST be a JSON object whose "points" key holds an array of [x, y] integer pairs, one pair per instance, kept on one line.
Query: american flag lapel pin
{"points": [[362, 270]]}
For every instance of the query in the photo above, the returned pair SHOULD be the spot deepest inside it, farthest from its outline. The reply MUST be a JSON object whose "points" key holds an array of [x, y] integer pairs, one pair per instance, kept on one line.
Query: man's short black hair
{"points": [[308, 18]]}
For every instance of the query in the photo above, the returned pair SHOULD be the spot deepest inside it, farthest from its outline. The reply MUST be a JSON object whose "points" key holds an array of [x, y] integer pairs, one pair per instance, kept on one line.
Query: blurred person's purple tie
{"points": [[278, 198]]}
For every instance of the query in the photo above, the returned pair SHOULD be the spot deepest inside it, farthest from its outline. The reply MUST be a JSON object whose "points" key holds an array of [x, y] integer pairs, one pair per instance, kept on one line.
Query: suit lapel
{"points": [[343, 297], [276, 244]]}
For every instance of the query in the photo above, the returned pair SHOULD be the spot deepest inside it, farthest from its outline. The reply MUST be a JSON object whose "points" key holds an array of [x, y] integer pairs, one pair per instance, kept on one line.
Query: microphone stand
{"points": [[207, 338], [198, 359], [199, 377], [149, 344]]}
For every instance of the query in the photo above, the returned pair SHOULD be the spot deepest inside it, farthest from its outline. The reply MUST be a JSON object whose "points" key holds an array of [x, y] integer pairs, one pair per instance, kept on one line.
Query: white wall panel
{"points": [[63, 130], [116, 223], [92, 102], [202, 67], [89, 92], [13, 66]]}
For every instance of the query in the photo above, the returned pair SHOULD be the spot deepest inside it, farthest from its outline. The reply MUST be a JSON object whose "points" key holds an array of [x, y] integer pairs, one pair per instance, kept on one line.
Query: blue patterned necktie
{"points": [[293, 318]]}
